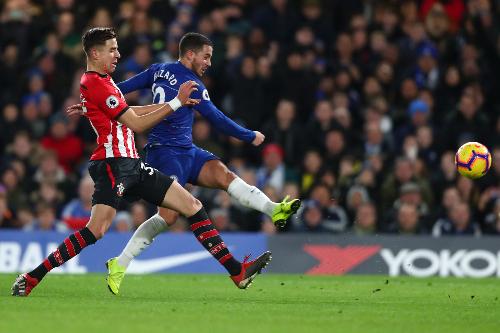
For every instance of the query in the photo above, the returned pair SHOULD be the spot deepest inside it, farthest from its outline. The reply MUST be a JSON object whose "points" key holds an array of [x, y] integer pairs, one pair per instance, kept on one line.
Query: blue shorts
{"points": [[183, 164]]}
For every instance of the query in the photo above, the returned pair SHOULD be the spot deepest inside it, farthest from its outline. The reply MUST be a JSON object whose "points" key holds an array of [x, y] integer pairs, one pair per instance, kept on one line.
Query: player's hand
{"points": [[74, 110], [259, 138], [185, 90]]}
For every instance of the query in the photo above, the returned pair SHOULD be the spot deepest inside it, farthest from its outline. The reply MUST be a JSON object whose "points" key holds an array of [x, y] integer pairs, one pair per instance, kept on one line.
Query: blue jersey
{"points": [[176, 130]]}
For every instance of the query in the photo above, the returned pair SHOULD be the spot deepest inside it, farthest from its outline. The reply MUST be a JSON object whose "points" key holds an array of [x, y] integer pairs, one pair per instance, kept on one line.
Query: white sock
{"points": [[142, 238], [251, 196]]}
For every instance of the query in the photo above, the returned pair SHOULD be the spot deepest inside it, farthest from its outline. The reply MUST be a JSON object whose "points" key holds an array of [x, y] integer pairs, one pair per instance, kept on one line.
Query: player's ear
{"points": [[94, 54]]}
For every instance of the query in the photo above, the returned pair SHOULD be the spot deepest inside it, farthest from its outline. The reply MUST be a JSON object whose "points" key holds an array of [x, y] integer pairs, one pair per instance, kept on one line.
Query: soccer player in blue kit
{"points": [[170, 148]]}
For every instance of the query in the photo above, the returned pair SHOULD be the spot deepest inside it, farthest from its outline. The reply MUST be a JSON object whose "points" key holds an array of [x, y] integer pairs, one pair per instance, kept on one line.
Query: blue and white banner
{"points": [[175, 253], [418, 256]]}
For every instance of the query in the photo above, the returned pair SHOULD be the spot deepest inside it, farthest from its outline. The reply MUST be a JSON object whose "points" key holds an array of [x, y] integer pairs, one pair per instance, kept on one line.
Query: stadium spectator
{"points": [[468, 192], [11, 180], [321, 213], [122, 222], [427, 149], [407, 221], [365, 222], [22, 149], [49, 170], [45, 220], [467, 123], [68, 147], [335, 147], [247, 93], [273, 171], [449, 198], [48, 194], [458, 222], [311, 218], [312, 164], [10, 67], [375, 143], [319, 124], [139, 214], [285, 131], [492, 215], [76, 213], [418, 114], [7, 219], [138, 61], [403, 172], [25, 216], [10, 124], [409, 194], [65, 29]]}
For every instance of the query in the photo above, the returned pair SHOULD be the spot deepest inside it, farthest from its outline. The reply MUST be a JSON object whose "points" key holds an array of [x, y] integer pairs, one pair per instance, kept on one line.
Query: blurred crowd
{"points": [[363, 104]]}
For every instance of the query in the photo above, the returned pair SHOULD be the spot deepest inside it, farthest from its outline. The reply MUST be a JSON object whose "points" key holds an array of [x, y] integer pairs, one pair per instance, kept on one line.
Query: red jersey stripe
{"points": [[102, 102]]}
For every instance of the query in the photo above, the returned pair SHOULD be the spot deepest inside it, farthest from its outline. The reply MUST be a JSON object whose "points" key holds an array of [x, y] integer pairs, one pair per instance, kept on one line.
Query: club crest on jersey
{"points": [[112, 102], [204, 94], [120, 189]]}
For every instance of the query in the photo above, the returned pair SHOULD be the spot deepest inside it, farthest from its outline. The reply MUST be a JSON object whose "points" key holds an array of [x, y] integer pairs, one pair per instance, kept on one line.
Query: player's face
{"points": [[109, 55], [202, 60]]}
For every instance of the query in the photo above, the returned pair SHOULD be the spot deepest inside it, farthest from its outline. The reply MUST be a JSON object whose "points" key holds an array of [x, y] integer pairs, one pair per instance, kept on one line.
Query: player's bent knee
{"points": [[192, 206], [196, 204]]}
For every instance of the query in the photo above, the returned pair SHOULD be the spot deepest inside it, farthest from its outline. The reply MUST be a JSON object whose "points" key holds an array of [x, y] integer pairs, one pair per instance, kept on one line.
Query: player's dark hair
{"points": [[96, 36], [193, 41]]}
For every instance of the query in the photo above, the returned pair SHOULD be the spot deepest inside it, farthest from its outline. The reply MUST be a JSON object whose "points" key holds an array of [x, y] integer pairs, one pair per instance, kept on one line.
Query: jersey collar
{"points": [[101, 75]]}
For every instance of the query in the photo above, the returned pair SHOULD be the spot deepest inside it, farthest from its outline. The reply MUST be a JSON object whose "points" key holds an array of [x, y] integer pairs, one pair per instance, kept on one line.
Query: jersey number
{"points": [[160, 92], [148, 169]]}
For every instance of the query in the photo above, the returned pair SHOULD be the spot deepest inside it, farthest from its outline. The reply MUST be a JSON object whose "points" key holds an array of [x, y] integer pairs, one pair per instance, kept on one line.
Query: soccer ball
{"points": [[473, 160]]}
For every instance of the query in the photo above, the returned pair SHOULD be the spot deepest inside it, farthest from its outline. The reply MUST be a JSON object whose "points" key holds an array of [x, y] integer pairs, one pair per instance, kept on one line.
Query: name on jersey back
{"points": [[162, 74]]}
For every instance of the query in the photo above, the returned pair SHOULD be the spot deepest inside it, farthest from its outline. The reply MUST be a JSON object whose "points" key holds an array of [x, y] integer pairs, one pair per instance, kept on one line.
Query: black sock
{"points": [[71, 246], [209, 237]]}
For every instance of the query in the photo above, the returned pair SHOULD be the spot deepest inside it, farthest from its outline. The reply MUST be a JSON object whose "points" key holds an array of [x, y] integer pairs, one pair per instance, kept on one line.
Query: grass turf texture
{"points": [[275, 303]]}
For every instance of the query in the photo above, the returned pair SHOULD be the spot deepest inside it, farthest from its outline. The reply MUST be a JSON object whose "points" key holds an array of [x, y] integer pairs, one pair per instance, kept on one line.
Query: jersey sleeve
{"points": [[143, 80], [218, 119], [108, 99]]}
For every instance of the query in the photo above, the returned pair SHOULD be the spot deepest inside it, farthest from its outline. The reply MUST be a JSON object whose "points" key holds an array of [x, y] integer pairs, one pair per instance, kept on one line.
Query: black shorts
{"points": [[127, 178]]}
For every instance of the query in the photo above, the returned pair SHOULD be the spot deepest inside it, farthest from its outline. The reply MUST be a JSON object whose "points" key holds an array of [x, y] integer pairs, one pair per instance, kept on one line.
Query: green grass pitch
{"points": [[274, 303]]}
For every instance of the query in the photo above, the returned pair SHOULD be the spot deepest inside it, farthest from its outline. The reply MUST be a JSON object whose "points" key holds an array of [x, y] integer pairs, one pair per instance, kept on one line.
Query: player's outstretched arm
{"points": [[224, 124], [136, 82], [153, 114]]}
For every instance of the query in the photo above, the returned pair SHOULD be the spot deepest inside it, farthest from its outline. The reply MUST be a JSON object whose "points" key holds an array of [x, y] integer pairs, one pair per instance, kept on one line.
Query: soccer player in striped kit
{"points": [[119, 173], [170, 148]]}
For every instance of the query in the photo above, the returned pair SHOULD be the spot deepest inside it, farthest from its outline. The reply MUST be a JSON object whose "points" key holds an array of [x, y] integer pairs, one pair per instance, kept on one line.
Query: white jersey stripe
{"points": [[136, 155], [121, 140], [93, 127], [129, 143], [109, 145]]}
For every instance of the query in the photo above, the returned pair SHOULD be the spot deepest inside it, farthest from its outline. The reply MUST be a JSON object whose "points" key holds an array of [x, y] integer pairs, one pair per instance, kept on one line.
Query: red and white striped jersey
{"points": [[102, 103]]}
